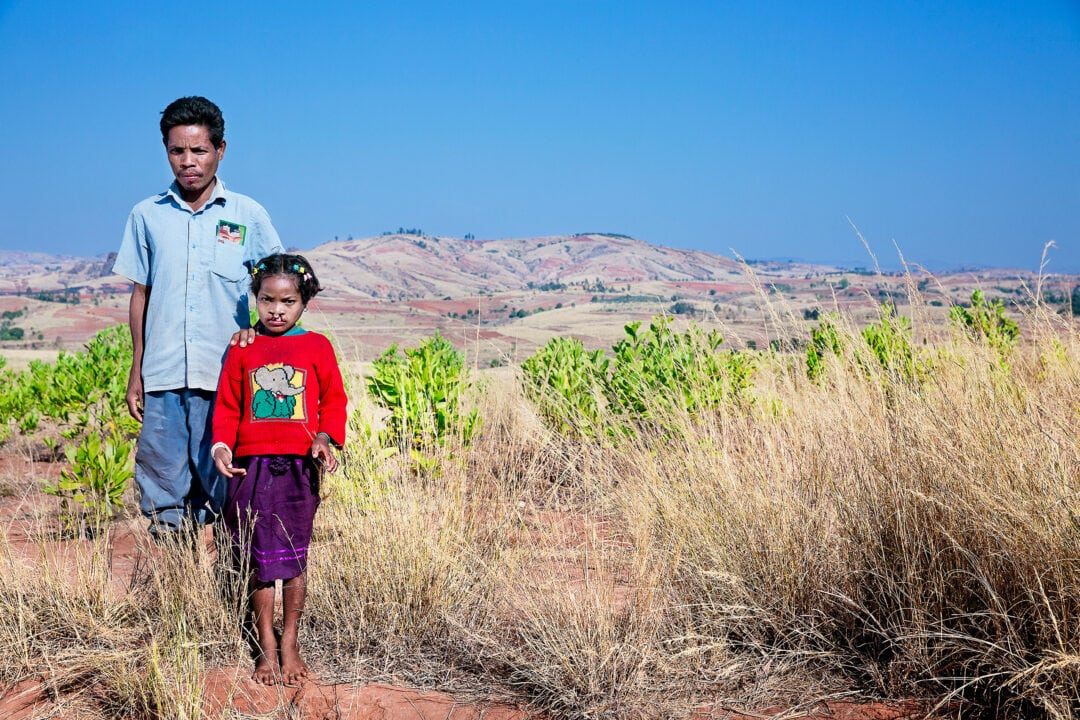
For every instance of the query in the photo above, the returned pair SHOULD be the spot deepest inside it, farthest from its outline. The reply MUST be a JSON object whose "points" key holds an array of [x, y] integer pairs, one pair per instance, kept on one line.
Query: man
{"points": [[188, 251]]}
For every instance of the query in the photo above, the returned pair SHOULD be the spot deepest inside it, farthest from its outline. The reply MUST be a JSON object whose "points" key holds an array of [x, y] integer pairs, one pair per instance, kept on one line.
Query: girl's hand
{"points": [[223, 460], [322, 453]]}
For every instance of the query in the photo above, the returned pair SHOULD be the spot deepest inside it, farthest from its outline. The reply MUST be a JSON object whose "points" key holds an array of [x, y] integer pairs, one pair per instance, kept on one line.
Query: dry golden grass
{"points": [[860, 535]]}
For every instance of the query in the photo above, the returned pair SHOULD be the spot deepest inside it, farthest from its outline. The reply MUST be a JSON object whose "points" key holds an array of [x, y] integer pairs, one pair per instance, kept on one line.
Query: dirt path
{"points": [[230, 692]]}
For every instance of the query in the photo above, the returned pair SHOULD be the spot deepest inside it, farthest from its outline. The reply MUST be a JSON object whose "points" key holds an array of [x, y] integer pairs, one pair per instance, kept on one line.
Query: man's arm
{"points": [[140, 295]]}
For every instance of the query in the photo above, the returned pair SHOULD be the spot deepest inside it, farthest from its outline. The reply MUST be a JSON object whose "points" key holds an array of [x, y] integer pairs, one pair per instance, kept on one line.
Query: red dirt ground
{"points": [[22, 506]]}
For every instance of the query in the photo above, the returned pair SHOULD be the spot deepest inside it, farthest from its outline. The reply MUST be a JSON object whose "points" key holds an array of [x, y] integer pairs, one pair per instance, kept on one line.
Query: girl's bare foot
{"points": [[267, 671], [267, 668], [293, 594], [293, 667]]}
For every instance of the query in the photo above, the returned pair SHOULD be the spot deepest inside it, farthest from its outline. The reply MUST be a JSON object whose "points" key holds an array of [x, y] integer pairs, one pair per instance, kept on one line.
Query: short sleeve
{"points": [[133, 257], [265, 240]]}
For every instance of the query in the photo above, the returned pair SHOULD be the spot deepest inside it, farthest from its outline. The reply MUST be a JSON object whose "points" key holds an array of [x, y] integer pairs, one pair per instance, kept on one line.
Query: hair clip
{"points": [[307, 277], [255, 271], [298, 268]]}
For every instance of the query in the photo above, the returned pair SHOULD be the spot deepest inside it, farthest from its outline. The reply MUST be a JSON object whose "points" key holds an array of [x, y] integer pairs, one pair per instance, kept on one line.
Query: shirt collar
{"points": [[219, 195]]}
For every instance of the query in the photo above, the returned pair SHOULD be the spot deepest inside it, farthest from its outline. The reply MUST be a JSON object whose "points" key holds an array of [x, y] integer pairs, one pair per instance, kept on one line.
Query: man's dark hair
{"points": [[194, 110]]}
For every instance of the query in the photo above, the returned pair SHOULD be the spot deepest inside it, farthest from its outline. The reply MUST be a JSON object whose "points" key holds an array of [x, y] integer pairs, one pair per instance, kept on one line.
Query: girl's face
{"points": [[279, 304]]}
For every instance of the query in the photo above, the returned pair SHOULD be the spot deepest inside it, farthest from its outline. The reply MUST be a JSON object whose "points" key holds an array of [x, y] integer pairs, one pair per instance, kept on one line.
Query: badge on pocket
{"points": [[230, 232]]}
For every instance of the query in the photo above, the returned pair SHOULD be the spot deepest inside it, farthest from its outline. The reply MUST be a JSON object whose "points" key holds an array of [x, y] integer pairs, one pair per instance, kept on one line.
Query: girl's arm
{"points": [[332, 410], [333, 402], [226, 423]]}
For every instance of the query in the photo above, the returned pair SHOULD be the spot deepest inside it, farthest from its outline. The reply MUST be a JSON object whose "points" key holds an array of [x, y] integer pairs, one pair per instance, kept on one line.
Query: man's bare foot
{"points": [[293, 667], [267, 671]]}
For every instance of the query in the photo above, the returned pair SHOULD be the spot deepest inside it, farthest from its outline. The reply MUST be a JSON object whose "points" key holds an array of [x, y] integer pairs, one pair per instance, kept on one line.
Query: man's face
{"points": [[193, 158]]}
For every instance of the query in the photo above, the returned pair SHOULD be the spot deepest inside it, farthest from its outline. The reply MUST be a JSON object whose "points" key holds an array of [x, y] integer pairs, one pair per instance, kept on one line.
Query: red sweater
{"points": [[277, 393]]}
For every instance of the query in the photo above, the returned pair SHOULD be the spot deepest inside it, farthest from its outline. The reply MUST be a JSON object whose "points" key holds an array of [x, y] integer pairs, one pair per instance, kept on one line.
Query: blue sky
{"points": [[949, 129]]}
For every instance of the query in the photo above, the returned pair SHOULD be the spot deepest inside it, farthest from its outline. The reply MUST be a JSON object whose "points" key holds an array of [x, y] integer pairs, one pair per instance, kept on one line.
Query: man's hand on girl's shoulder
{"points": [[243, 337]]}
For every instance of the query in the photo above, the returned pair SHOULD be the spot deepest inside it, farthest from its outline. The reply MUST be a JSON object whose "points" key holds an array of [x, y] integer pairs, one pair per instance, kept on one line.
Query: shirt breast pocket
{"points": [[229, 261]]}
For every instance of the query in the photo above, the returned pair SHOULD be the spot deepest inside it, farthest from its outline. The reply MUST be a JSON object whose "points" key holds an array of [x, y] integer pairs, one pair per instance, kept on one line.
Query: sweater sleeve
{"points": [[226, 427], [333, 401]]}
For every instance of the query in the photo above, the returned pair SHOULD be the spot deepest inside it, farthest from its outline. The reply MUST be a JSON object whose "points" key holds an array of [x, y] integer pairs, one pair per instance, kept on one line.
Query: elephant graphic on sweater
{"points": [[276, 395]]}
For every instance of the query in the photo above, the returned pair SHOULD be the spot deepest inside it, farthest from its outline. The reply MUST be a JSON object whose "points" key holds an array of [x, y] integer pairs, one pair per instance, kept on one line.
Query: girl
{"points": [[280, 406]]}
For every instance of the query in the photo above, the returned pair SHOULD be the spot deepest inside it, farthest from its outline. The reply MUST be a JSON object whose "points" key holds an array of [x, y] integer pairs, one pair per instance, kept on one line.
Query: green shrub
{"points": [[93, 378], [566, 383], [650, 374], [83, 392], [661, 370], [985, 321], [91, 488], [824, 340], [422, 389], [889, 340]]}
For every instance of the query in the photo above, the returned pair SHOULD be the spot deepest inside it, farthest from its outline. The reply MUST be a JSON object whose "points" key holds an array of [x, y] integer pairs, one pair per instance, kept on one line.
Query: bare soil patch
{"points": [[26, 514]]}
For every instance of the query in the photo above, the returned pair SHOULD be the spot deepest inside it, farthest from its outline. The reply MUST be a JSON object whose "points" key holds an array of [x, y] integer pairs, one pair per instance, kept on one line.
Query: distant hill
{"points": [[20, 270], [413, 266], [13, 258], [418, 266], [503, 298]]}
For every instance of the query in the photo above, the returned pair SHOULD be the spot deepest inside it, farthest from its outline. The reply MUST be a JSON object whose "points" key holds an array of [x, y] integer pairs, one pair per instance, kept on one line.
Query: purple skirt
{"points": [[270, 512]]}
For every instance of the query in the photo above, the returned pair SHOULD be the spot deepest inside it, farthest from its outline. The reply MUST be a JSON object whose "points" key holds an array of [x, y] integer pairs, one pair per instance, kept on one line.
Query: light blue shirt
{"points": [[196, 265]]}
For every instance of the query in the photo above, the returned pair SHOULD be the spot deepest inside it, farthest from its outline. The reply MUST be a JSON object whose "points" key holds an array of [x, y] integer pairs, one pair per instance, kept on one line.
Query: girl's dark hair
{"points": [[194, 110], [295, 266]]}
